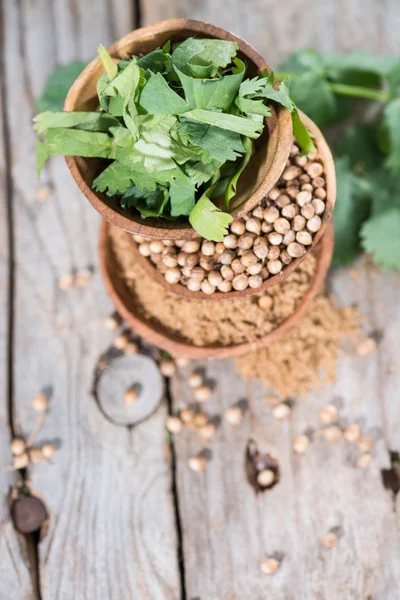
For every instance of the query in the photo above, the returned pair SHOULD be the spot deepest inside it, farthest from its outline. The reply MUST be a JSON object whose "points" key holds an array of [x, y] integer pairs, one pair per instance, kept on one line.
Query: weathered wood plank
{"points": [[111, 531], [14, 571], [278, 28]]}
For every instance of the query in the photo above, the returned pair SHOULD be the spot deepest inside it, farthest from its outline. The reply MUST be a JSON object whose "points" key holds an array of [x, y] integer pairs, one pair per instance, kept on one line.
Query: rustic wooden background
{"points": [[128, 519]]}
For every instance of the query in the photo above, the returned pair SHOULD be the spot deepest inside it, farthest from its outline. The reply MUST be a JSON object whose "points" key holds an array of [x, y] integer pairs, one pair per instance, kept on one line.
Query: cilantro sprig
{"points": [[178, 127], [335, 89]]}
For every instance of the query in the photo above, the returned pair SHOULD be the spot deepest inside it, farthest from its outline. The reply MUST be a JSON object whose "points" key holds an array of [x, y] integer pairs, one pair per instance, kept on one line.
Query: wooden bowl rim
{"points": [[181, 290], [179, 348], [283, 123]]}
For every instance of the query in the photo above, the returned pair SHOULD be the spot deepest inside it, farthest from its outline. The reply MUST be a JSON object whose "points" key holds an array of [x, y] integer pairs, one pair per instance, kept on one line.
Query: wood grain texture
{"points": [[278, 28], [111, 527]]}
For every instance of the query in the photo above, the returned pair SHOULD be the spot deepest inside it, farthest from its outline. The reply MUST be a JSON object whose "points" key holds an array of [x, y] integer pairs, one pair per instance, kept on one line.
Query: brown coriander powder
{"points": [[202, 322], [305, 358]]}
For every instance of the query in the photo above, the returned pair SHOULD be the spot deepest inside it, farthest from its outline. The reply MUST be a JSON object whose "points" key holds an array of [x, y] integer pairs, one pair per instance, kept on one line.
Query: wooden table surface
{"points": [[127, 518]]}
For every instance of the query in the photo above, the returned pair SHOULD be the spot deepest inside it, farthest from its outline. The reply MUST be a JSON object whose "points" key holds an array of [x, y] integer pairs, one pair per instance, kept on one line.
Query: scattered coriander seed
{"points": [[308, 210], [265, 478], [174, 424], [366, 347], [214, 278], [238, 227], [40, 402], [318, 205], [202, 393], [111, 322], [328, 414], [66, 282], [191, 246], [182, 362], [299, 223], [271, 214], [240, 282], [320, 193], [121, 342], [130, 396], [199, 420], [283, 201], [301, 444], [207, 431], [197, 463], [289, 237], [364, 461], [48, 450], [237, 266], [167, 367], [255, 281], [230, 241], [227, 272], [265, 302], [195, 380], [234, 415], [365, 443], [314, 224], [281, 225], [273, 253], [21, 461], [314, 169], [281, 411], [352, 432], [35, 455], [43, 192], [144, 249], [275, 238], [296, 250], [291, 173], [17, 446], [83, 277], [186, 415], [225, 286], [269, 565], [333, 433], [303, 197], [131, 348], [329, 540]]}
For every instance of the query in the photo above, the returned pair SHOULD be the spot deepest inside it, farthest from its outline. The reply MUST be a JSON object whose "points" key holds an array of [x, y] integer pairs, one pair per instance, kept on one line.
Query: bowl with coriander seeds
{"points": [[176, 130], [260, 249]]}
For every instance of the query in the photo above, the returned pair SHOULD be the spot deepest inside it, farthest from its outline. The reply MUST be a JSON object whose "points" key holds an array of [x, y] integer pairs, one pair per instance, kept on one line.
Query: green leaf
{"points": [[281, 95], [380, 237], [254, 107], [212, 93], [182, 198], [301, 133], [154, 204], [90, 121], [360, 144], [157, 98], [361, 60], [199, 173], [155, 61], [208, 220], [42, 154], [219, 144], [311, 93], [252, 87], [116, 178], [391, 119], [218, 53], [351, 209], [302, 61], [109, 65], [57, 86], [241, 125], [75, 142], [232, 184]]}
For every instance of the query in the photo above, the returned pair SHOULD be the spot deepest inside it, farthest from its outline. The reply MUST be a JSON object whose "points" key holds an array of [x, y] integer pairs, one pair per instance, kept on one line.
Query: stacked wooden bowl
{"points": [[259, 177]]}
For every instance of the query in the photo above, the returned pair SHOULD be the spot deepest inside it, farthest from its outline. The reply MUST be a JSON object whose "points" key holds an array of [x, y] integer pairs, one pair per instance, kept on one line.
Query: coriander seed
{"points": [[238, 227], [274, 194], [299, 223], [130, 396], [271, 214], [237, 266], [281, 411], [281, 225], [291, 173], [289, 237], [40, 402], [254, 269], [214, 278], [207, 248], [202, 393], [169, 261], [328, 414], [195, 380], [296, 250], [200, 420], [273, 252], [274, 266], [265, 478], [172, 276], [186, 415], [225, 286], [260, 248], [265, 302], [275, 238], [66, 282], [308, 210], [319, 206], [314, 170], [197, 463], [240, 282], [144, 249], [230, 241], [303, 237], [111, 322], [194, 285], [301, 444], [352, 432], [48, 450], [167, 367], [248, 258], [255, 281], [206, 287], [285, 258], [121, 342], [131, 348], [227, 272], [21, 461], [191, 246], [303, 198], [329, 540], [207, 431], [314, 224], [333, 433], [364, 461], [156, 247], [245, 241], [226, 257], [35, 455], [269, 566], [253, 225], [289, 212], [282, 202], [258, 212], [320, 193], [17, 446], [198, 274], [365, 443], [234, 415]]}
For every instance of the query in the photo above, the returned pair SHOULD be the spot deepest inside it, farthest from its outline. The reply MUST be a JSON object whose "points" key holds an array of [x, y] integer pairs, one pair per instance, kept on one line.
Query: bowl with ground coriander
{"points": [[213, 329], [176, 130], [261, 248]]}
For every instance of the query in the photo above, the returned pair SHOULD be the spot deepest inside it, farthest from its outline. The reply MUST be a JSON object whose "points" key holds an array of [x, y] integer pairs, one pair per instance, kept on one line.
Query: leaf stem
{"points": [[344, 89]]}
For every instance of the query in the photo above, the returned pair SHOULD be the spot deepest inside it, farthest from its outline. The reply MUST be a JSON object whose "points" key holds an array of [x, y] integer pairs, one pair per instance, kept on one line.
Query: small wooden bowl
{"points": [[181, 290], [260, 175], [123, 301]]}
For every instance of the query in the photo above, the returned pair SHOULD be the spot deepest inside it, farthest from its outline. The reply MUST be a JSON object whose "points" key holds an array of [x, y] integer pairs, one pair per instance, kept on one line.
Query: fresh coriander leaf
{"points": [[311, 93], [241, 125], [158, 98], [89, 121], [199, 172], [360, 60], [231, 187], [57, 86], [302, 61], [75, 142], [281, 96], [253, 107], [391, 119], [218, 53], [131, 197], [155, 61], [122, 90], [208, 220], [212, 93], [351, 210], [219, 144], [301, 133], [42, 154], [109, 65], [380, 237], [116, 178], [154, 204], [360, 144], [101, 86], [252, 87], [182, 199]]}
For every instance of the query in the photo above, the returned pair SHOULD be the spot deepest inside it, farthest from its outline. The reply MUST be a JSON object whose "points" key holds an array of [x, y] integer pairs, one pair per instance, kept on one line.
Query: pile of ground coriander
{"points": [[308, 351], [227, 322]]}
